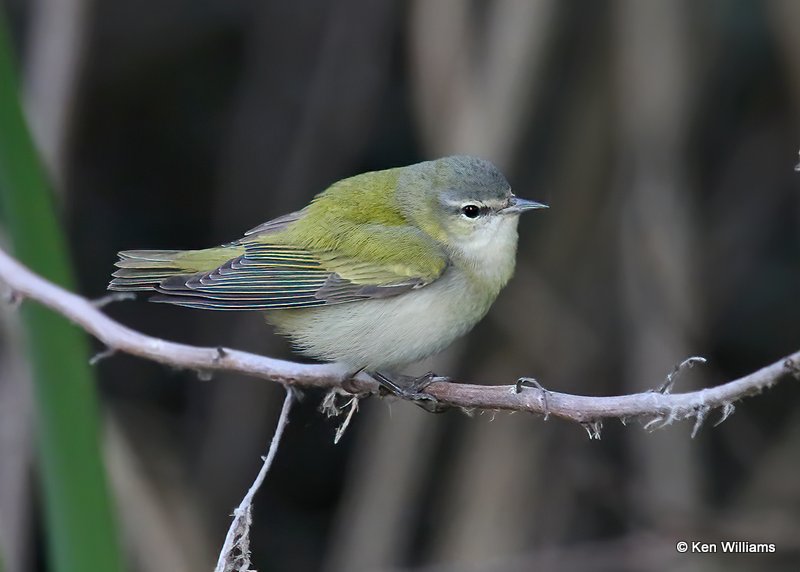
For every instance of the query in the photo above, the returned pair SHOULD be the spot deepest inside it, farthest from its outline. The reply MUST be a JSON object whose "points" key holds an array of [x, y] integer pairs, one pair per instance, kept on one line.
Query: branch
{"points": [[659, 409], [235, 553]]}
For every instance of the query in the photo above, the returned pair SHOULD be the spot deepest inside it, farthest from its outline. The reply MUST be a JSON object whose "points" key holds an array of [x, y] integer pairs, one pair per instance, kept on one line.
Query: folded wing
{"points": [[269, 276]]}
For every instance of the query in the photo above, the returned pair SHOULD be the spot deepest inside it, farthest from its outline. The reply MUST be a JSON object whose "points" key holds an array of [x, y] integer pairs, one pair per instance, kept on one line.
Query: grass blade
{"points": [[78, 516]]}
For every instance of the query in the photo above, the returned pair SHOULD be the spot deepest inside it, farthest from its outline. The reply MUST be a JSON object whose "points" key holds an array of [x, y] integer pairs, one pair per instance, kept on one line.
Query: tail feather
{"points": [[135, 258], [139, 270], [144, 269]]}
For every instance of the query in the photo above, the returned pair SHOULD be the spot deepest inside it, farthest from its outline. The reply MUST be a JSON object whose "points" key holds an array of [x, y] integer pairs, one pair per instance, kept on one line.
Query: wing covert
{"points": [[271, 276]]}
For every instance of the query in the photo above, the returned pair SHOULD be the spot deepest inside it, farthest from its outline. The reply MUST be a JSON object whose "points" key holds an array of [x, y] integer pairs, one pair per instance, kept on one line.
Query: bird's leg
{"points": [[410, 388]]}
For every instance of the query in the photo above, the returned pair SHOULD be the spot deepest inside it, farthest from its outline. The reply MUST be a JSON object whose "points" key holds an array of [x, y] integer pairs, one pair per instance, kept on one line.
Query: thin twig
{"points": [[101, 355], [655, 407], [235, 553], [688, 363], [104, 301], [352, 408]]}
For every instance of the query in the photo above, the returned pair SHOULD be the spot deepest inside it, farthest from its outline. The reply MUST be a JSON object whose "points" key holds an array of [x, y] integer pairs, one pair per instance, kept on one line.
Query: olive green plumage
{"points": [[352, 263]]}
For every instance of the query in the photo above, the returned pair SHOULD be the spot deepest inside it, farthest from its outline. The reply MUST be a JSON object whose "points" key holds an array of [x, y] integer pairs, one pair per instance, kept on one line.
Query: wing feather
{"points": [[271, 274]]}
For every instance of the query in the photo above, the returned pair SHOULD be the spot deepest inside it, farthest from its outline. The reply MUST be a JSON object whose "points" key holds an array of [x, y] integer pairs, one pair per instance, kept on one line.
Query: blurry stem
{"points": [[55, 46], [16, 444], [658, 289], [658, 409], [163, 530], [78, 516], [235, 553], [478, 104]]}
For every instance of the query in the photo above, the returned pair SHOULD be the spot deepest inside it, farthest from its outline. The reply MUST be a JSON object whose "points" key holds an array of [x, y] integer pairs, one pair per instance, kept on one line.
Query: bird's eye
{"points": [[471, 211]]}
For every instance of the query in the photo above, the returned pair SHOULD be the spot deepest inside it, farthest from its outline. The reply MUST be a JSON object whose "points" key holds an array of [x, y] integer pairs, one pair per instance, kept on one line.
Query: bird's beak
{"points": [[518, 205]]}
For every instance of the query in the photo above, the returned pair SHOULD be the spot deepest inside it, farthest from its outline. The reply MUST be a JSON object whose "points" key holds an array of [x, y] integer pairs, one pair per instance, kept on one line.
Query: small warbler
{"points": [[379, 271]]}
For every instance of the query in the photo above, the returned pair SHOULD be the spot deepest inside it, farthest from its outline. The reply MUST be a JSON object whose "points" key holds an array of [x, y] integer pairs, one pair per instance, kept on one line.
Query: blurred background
{"points": [[663, 134]]}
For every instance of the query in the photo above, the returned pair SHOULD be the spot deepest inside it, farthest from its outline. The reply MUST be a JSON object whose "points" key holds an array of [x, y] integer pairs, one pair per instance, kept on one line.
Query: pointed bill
{"points": [[519, 205]]}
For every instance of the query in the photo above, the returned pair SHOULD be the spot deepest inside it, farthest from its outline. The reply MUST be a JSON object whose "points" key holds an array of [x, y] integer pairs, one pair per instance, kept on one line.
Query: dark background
{"points": [[662, 134]]}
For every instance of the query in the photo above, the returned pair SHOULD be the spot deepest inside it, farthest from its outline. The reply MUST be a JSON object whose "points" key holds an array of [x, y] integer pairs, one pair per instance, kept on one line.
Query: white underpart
{"points": [[389, 333]]}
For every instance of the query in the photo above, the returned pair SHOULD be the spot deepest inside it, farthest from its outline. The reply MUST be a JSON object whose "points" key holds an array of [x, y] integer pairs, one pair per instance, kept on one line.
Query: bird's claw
{"points": [[411, 389], [531, 382]]}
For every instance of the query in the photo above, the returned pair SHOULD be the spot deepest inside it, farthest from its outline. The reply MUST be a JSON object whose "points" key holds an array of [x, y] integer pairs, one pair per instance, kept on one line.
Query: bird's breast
{"points": [[392, 332]]}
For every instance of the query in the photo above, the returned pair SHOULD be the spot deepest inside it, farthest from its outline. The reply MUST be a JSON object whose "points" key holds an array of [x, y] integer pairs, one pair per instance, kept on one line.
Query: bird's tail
{"points": [[139, 270]]}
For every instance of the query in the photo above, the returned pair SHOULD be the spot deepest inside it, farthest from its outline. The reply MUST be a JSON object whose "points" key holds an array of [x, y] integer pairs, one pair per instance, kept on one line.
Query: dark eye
{"points": [[471, 211]]}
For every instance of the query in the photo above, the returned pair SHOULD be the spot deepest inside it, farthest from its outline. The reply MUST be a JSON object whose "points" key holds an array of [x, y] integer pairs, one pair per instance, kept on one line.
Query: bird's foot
{"points": [[411, 389], [531, 382], [350, 385]]}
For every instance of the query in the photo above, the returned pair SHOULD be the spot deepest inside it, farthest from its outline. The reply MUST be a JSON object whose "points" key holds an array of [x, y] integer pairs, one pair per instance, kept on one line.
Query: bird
{"points": [[378, 271]]}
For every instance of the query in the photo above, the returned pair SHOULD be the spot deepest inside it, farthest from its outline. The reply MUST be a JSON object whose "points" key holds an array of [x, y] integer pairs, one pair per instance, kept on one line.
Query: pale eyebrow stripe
{"points": [[459, 204]]}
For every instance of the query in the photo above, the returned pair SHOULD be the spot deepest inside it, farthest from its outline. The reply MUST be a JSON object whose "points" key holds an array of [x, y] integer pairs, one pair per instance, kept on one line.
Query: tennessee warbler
{"points": [[379, 271]]}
